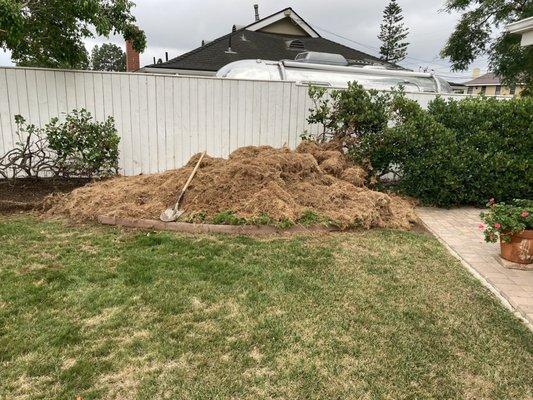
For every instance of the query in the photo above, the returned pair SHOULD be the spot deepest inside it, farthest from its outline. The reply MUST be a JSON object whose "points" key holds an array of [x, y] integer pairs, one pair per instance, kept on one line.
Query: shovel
{"points": [[172, 214]]}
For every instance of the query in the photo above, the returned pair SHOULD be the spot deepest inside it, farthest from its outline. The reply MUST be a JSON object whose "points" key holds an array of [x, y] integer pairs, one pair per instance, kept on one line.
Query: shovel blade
{"points": [[170, 215]]}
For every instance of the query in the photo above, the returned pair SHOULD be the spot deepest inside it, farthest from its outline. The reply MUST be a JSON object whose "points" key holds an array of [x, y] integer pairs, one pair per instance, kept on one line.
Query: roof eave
{"points": [[524, 25]]}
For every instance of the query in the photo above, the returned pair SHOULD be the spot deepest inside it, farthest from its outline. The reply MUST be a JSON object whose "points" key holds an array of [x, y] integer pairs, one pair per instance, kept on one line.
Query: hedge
{"points": [[454, 153]]}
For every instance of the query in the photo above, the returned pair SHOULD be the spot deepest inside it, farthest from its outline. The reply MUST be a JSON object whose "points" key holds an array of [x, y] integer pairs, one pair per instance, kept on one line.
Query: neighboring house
{"points": [[280, 36], [489, 84], [459, 88], [523, 27]]}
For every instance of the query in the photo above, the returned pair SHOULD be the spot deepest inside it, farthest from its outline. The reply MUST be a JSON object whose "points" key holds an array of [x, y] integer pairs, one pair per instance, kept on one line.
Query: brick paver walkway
{"points": [[459, 230]]}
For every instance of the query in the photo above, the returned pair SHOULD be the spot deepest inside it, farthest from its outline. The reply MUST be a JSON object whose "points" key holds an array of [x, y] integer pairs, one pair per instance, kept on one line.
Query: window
{"points": [[483, 89], [296, 45], [512, 90], [470, 90], [498, 90]]}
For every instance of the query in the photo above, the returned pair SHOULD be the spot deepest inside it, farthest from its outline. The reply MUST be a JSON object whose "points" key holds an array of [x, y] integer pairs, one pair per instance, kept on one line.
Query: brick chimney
{"points": [[132, 58], [476, 72]]}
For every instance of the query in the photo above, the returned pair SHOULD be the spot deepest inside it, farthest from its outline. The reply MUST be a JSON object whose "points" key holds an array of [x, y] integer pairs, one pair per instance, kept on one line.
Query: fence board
{"points": [[22, 96], [31, 95], [51, 95], [14, 109], [42, 98], [6, 139], [177, 127], [168, 91], [135, 123], [163, 119], [144, 124], [152, 122]]}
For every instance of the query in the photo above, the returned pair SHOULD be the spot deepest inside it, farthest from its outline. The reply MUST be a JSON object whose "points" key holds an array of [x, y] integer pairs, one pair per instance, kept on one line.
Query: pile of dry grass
{"points": [[253, 181]]}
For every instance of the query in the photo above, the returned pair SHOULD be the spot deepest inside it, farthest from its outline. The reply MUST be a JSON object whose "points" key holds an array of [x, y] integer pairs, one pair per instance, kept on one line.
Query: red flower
{"points": [[481, 226], [497, 226], [524, 214]]}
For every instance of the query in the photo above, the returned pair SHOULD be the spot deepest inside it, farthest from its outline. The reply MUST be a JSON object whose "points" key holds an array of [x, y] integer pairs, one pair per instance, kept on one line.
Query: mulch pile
{"points": [[253, 181]]}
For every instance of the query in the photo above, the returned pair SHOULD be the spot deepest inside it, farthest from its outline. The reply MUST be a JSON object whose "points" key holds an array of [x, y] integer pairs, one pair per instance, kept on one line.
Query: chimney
{"points": [[132, 58], [475, 73], [256, 8]]}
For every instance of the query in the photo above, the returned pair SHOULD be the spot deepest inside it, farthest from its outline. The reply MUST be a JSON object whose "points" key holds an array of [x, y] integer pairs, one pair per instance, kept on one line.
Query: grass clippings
{"points": [[280, 185]]}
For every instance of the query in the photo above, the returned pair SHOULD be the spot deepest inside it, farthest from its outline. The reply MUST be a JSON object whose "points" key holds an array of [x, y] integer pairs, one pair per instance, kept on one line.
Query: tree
{"points": [[479, 32], [392, 34], [108, 57], [50, 33]]}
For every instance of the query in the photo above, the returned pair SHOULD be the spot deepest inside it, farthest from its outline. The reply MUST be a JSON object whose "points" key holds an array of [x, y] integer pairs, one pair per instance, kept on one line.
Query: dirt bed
{"points": [[28, 194], [314, 183]]}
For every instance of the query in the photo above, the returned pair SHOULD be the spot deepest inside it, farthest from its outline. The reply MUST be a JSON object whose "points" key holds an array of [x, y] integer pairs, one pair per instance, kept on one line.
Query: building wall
{"points": [[491, 90], [285, 27], [527, 39]]}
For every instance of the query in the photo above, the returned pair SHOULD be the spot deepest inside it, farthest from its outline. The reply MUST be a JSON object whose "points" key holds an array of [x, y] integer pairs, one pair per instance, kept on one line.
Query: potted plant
{"points": [[512, 224]]}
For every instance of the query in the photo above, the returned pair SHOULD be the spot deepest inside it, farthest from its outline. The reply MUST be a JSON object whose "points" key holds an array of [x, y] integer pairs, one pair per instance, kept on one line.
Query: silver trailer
{"points": [[333, 70]]}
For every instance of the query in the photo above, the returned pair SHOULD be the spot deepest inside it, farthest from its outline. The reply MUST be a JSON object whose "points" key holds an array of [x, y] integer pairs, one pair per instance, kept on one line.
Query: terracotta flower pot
{"points": [[519, 249]]}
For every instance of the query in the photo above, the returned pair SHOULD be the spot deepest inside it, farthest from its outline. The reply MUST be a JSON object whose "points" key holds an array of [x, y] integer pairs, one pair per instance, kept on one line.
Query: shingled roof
{"points": [[247, 44], [487, 79]]}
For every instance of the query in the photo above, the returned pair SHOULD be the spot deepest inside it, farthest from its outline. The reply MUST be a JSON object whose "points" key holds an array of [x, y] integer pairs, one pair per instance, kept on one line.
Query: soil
{"points": [[253, 182], [29, 193]]}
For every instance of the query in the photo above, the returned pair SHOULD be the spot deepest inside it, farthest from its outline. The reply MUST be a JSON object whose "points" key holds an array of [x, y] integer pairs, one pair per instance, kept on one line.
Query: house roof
{"points": [[253, 42], [487, 79], [247, 44]]}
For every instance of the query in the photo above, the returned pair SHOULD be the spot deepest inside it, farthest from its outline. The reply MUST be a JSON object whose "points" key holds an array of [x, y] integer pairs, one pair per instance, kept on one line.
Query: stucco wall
{"points": [[491, 90]]}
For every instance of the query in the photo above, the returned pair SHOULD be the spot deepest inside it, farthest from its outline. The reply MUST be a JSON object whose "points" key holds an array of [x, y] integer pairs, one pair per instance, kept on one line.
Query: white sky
{"points": [[178, 26]]}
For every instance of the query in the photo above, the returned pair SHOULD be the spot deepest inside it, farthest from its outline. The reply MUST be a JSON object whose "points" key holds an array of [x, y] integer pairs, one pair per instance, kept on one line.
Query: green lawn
{"points": [[102, 313]]}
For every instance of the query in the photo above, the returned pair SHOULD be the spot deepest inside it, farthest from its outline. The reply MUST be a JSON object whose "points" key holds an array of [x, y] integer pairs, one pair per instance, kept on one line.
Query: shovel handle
{"points": [[189, 180]]}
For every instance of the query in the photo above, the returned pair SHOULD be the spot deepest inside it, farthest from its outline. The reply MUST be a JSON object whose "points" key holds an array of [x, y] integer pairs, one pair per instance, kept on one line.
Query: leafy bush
{"points": [[84, 147], [30, 157], [355, 112], [494, 146], [504, 220], [456, 152], [77, 147]]}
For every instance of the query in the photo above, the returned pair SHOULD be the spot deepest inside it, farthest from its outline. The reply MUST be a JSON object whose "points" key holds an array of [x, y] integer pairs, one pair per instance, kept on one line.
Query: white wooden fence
{"points": [[162, 119]]}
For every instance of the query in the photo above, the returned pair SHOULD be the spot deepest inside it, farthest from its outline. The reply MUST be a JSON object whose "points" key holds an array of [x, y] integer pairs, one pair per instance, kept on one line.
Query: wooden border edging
{"points": [[186, 227]]}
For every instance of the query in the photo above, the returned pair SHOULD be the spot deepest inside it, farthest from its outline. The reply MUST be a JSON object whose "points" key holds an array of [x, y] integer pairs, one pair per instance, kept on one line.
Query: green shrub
{"points": [[356, 112], [453, 153], [84, 147], [485, 151]]}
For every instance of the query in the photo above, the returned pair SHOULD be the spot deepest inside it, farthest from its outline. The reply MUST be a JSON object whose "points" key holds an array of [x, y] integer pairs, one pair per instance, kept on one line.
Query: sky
{"points": [[178, 26]]}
